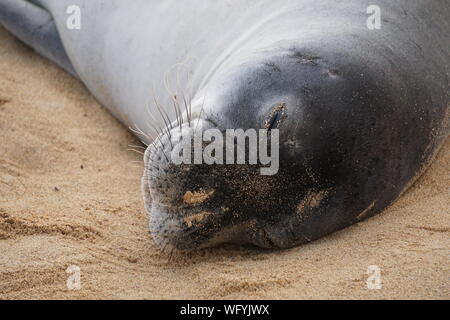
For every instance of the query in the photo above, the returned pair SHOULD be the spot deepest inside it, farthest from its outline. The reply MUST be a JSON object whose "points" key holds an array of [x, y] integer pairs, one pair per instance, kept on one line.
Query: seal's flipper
{"points": [[35, 26]]}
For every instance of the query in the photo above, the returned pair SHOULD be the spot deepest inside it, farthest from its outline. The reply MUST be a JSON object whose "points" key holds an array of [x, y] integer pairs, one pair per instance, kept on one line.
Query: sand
{"points": [[70, 195]]}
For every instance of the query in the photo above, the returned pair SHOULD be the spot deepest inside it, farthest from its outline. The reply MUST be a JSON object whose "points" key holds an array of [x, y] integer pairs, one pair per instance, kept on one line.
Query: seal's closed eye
{"points": [[275, 117]]}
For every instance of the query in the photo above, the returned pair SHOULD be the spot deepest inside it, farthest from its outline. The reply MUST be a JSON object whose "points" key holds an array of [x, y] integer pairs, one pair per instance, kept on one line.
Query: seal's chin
{"points": [[193, 228], [173, 228], [190, 220]]}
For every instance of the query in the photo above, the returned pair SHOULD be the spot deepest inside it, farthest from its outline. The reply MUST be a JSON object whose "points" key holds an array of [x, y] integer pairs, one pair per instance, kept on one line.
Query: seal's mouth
{"points": [[182, 200], [181, 219]]}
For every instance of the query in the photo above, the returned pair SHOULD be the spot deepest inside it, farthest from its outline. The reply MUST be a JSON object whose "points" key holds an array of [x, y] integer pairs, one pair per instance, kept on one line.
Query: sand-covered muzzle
{"points": [[176, 203], [189, 201]]}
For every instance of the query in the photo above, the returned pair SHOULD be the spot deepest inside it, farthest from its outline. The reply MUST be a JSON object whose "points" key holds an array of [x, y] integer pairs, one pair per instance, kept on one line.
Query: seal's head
{"points": [[311, 104]]}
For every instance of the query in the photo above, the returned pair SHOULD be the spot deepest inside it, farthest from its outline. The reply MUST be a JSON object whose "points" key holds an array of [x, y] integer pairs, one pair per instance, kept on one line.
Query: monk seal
{"points": [[360, 111]]}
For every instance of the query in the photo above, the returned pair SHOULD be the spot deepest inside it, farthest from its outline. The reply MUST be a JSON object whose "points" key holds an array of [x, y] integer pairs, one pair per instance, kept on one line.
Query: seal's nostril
{"points": [[275, 117]]}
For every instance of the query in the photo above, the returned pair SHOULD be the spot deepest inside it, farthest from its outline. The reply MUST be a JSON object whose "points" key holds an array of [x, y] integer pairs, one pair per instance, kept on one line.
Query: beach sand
{"points": [[70, 195]]}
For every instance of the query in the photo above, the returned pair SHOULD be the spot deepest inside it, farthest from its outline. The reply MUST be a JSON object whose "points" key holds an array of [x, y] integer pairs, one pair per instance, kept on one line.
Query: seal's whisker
{"points": [[137, 151], [180, 111], [159, 133], [163, 114], [156, 168], [135, 164], [135, 146], [165, 156], [188, 114], [176, 106], [176, 113], [138, 132], [155, 129], [150, 114], [201, 111], [167, 122], [134, 167], [155, 100], [151, 135]]}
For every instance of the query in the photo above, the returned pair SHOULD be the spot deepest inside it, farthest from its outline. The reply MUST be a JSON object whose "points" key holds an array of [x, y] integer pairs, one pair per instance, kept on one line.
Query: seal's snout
{"points": [[193, 205], [180, 197]]}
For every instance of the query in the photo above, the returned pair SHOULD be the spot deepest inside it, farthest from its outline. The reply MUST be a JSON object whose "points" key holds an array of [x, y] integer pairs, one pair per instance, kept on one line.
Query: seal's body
{"points": [[360, 112]]}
